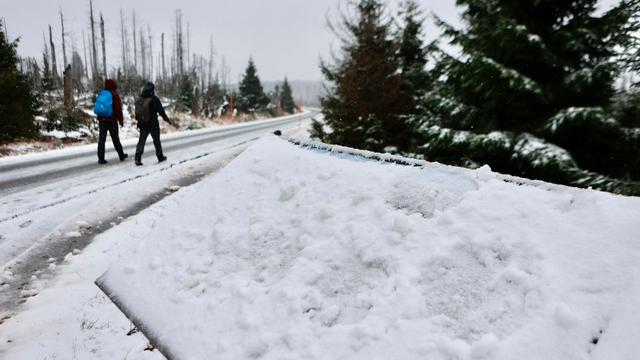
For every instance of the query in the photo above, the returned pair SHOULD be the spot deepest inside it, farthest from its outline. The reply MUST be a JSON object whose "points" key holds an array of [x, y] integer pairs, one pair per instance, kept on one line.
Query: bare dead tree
{"points": [[164, 73], [150, 52], [54, 66], [68, 88], [64, 47], [104, 48], [84, 49], [224, 74], [195, 103], [92, 60], [188, 44], [135, 49], [143, 52], [211, 54], [180, 44], [94, 56], [123, 34], [45, 55]]}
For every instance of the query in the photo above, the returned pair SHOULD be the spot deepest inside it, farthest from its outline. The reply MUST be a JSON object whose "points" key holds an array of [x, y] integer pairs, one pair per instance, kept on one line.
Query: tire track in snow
{"points": [[35, 261], [127, 180]]}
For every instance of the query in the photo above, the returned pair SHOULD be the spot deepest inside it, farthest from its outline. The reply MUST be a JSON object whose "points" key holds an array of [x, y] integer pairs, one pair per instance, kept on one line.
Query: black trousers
{"points": [[145, 131], [112, 128]]}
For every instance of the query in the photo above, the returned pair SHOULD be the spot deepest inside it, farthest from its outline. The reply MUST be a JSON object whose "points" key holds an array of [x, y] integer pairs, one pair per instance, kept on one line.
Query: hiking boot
{"points": [[138, 163], [124, 157], [162, 158], [102, 162]]}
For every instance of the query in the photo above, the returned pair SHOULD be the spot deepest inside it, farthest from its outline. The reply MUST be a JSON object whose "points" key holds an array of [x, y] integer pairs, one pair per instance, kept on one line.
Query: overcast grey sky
{"points": [[285, 37]]}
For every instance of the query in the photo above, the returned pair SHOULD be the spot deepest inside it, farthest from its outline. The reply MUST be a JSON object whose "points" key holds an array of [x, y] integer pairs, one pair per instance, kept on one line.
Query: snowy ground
{"points": [[289, 253], [292, 253]]}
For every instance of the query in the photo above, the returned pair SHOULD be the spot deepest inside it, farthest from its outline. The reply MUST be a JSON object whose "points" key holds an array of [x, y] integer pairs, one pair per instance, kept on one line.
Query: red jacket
{"points": [[112, 86]]}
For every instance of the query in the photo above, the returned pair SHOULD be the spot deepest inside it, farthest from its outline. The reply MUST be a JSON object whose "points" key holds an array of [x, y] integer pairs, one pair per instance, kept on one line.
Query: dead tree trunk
{"points": [[135, 46], [211, 53], [124, 40], [64, 46], [68, 88], [91, 60], [84, 49], [164, 73], [143, 52], [94, 56], [54, 67], [189, 46], [104, 48], [180, 46], [150, 53], [195, 104]]}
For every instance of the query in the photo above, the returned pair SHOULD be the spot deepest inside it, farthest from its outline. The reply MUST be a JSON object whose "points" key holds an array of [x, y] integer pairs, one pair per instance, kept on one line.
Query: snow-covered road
{"points": [[55, 203]]}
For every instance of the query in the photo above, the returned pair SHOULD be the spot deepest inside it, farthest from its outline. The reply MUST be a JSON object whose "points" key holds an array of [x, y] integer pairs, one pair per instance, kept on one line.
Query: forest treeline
{"points": [[49, 93], [542, 89]]}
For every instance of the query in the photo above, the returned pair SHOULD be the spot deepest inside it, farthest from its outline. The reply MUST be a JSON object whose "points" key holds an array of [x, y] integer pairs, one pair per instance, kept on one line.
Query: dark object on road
{"points": [[110, 123], [148, 107], [277, 133]]}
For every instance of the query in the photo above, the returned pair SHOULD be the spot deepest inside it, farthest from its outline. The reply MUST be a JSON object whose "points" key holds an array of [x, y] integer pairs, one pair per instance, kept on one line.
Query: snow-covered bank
{"points": [[292, 253]]}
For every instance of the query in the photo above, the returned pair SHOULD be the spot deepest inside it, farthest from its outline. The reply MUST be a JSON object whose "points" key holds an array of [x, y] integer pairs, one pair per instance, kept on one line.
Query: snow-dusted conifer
{"points": [[363, 101], [530, 70], [286, 98], [412, 55], [17, 104], [252, 96]]}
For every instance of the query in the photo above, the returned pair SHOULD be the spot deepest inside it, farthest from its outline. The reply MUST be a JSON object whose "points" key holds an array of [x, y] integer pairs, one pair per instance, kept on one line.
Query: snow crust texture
{"points": [[291, 253]]}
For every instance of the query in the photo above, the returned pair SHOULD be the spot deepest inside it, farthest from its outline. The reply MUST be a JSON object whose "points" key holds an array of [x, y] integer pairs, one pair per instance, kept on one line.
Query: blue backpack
{"points": [[104, 104]]}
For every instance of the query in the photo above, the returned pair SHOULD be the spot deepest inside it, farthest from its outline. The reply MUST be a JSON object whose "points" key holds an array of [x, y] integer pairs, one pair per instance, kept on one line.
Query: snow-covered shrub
{"points": [[65, 120]]}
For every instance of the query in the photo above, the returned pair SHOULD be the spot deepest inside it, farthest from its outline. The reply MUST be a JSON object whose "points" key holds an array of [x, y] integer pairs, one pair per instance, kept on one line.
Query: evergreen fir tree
{"points": [[47, 78], [276, 98], [363, 101], [531, 94], [18, 106], [412, 56], [252, 96], [185, 94], [213, 99], [286, 98]]}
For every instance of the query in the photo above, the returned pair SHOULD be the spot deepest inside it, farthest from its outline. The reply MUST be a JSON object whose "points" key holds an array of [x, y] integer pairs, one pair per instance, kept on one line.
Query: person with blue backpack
{"points": [[108, 109]]}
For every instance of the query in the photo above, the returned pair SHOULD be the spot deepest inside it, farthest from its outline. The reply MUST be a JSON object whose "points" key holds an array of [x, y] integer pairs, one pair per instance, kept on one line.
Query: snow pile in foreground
{"points": [[296, 254]]}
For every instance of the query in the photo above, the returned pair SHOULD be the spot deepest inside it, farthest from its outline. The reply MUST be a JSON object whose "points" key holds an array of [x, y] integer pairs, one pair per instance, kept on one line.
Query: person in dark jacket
{"points": [[152, 126], [110, 124]]}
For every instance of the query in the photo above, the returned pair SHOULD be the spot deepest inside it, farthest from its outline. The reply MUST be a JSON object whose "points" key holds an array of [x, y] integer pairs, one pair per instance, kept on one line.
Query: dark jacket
{"points": [[156, 106], [112, 86]]}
